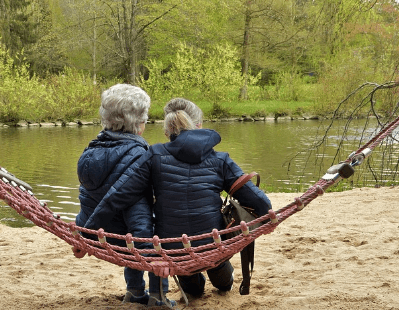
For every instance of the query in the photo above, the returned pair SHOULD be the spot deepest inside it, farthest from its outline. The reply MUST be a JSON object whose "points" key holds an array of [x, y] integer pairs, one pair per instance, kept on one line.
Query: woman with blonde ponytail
{"points": [[187, 176]]}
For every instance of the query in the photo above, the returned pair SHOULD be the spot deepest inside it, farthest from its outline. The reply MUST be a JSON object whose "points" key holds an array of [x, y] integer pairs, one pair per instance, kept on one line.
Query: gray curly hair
{"points": [[181, 114], [124, 107]]}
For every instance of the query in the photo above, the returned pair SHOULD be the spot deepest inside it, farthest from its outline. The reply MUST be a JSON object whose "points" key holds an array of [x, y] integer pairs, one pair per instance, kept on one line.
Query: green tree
{"points": [[335, 22], [47, 55], [114, 32], [357, 44], [212, 73], [85, 35], [271, 35], [17, 30], [197, 23]]}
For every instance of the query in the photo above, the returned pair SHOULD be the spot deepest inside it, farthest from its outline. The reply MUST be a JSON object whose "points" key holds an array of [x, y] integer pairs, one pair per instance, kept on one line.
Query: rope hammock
{"points": [[188, 260]]}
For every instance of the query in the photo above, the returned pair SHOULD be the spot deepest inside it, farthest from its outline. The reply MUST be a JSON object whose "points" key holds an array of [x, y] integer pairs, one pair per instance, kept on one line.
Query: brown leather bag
{"points": [[233, 213]]}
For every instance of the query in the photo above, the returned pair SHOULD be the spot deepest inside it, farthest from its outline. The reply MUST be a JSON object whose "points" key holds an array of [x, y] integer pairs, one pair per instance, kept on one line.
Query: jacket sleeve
{"points": [[139, 220], [249, 195], [128, 190]]}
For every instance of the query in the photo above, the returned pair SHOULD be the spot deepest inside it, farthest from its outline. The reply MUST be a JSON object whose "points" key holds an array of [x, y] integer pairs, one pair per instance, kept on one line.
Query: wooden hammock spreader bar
{"points": [[8, 177], [188, 259]]}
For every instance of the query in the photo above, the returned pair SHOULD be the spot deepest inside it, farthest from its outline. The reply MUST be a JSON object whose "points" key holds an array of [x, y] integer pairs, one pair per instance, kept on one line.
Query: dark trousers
{"points": [[221, 277]]}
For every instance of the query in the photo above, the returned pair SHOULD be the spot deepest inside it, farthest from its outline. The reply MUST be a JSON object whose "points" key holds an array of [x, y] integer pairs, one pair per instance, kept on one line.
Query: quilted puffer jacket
{"points": [[101, 164], [188, 176]]}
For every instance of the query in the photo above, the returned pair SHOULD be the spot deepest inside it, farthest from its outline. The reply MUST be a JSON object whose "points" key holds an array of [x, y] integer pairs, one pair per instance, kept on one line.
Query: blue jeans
{"points": [[135, 281]]}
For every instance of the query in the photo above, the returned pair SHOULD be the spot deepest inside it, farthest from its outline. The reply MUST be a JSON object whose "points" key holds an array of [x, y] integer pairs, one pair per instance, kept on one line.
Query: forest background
{"points": [[231, 57]]}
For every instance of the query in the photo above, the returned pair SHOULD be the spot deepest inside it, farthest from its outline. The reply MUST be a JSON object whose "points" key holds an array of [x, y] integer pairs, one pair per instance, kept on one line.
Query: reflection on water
{"points": [[46, 157]]}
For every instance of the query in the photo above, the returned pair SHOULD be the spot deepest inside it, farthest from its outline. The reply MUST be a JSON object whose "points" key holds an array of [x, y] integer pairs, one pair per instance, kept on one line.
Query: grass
{"points": [[264, 101]]}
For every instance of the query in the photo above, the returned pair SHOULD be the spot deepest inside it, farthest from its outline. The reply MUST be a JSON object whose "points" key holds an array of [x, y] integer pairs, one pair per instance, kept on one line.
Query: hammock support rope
{"points": [[187, 260]]}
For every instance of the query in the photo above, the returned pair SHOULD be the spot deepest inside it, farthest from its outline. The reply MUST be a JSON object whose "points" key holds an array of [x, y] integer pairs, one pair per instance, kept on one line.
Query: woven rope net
{"points": [[185, 261]]}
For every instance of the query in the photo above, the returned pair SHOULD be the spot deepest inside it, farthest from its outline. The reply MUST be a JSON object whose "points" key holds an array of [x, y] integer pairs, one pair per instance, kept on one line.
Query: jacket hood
{"points": [[101, 156], [193, 146]]}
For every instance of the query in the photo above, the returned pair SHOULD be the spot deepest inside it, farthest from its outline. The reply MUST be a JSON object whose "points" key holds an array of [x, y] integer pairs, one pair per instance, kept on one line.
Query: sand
{"points": [[340, 252]]}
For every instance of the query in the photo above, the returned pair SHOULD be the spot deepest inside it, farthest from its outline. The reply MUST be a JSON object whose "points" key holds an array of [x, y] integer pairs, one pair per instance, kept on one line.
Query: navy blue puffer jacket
{"points": [[101, 164], [188, 176]]}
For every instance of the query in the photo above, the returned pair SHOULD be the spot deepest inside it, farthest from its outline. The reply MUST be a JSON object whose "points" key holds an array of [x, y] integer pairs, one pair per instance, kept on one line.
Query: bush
{"points": [[68, 96], [210, 73], [73, 95], [341, 77], [18, 91]]}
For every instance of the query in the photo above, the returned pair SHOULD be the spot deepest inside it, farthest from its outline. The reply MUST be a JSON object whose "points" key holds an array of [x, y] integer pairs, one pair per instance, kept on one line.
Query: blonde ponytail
{"points": [[181, 114], [181, 104], [175, 122]]}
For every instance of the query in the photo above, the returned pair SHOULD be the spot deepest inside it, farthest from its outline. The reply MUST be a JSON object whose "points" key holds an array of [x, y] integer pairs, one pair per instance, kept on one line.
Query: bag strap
{"points": [[240, 183], [242, 180], [247, 254], [247, 259]]}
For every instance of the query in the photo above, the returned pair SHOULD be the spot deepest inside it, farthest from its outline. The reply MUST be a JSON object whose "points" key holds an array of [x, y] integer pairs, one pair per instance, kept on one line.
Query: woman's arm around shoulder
{"points": [[126, 191]]}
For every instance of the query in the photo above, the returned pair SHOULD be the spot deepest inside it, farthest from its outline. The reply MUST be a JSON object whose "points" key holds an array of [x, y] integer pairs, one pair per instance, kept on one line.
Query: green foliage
{"points": [[210, 71], [17, 89], [340, 78], [48, 54], [67, 96], [218, 111], [343, 43], [221, 70], [211, 74], [73, 95], [199, 23], [290, 86], [17, 29]]}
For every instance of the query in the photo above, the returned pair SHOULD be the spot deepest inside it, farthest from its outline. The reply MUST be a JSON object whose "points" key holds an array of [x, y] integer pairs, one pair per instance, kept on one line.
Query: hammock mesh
{"points": [[185, 261]]}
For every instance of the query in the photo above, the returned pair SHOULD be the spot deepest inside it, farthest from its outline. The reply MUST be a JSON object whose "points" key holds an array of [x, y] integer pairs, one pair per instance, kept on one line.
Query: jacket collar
{"points": [[120, 135]]}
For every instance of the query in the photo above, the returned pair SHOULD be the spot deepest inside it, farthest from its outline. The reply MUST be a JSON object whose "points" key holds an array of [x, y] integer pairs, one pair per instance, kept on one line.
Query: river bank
{"points": [[340, 252], [243, 118]]}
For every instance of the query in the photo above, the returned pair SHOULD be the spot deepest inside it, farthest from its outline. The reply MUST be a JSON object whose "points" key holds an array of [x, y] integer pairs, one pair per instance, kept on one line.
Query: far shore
{"points": [[243, 118]]}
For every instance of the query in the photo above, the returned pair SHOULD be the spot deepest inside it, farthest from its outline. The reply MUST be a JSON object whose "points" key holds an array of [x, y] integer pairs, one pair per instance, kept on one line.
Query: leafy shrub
{"points": [[209, 73], [68, 96], [73, 95]]}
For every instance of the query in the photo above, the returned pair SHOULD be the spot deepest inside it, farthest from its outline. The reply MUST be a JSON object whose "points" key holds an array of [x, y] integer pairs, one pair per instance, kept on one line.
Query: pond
{"points": [[46, 157]]}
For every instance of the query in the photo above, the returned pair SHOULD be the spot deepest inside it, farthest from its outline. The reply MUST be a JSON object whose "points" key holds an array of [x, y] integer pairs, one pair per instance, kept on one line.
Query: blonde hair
{"points": [[124, 107], [181, 114], [177, 121]]}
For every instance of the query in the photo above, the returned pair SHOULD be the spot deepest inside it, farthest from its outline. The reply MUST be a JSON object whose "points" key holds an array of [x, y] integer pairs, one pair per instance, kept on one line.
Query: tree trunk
{"points": [[133, 40], [95, 48], [5, 13], [245, 60], [128, 36]]}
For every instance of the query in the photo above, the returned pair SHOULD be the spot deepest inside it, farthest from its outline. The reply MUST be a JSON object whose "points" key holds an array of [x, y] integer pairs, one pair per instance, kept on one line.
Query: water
{"points": [[46, 157]]}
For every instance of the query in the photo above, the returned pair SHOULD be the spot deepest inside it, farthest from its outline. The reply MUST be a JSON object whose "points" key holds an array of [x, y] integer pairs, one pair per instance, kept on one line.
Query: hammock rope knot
{"points": [[273, 217], [185, 241], [244, 228], [157, 245], [101, 236]]}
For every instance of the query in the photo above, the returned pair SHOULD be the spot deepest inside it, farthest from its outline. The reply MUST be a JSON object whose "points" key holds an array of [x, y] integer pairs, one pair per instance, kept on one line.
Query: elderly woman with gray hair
{"points": [[124, 113], [187, 176]]}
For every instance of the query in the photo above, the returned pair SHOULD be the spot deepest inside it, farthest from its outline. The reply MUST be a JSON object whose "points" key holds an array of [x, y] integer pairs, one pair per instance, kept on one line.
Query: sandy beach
{"points": [[340, 252]]}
